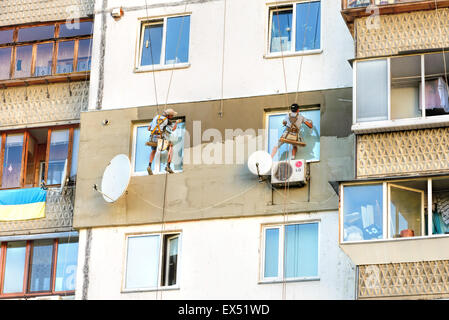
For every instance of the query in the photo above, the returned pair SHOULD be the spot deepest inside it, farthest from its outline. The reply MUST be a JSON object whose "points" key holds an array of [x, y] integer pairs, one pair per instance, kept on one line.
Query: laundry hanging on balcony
{"points": [[22, 204]]}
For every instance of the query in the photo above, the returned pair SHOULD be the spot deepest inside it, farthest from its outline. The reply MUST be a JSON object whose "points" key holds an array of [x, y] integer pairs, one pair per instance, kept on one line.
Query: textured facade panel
{"points": [[13, 12], [404, 279], [390, 34], [42, 103], [403, 152], [58, 215]]}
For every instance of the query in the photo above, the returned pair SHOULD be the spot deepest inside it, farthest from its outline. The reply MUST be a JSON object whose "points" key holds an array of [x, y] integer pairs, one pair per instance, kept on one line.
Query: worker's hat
{"points": [[170, 112]]}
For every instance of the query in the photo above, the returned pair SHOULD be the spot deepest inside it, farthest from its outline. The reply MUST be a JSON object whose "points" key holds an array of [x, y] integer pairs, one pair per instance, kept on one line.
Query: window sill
{"points": [[434, 236], [289, 280], [292, 54], [151, 289], [162, 67], [400, 124]]}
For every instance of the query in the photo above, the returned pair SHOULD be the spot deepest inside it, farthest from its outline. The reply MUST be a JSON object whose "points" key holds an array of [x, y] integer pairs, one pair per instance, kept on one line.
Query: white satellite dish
{"points": [[259, 163], [116, 178]]}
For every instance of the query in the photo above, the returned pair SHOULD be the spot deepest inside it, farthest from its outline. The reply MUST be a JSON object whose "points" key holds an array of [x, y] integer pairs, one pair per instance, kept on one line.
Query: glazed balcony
{"points": [[352, 9]]}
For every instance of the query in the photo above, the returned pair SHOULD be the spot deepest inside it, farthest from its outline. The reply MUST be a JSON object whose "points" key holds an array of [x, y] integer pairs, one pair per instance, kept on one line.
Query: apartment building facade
{"points": [[211, 230], [393, 214], [44, 79]]}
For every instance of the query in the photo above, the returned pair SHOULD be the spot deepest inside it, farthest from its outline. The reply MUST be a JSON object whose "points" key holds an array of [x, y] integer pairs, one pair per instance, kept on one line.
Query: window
{"points": [[295, 27], [38, 154], [45, 50], [311, 152], [152, 261], [37, 267], [165, 41], [141, 152], [396, 209], [290, 252], [397, 88]]}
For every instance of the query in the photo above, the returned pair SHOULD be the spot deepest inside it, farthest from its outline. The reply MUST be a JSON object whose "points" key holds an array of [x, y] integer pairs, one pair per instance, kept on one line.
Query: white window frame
{"points": [[284, 6], [395, 124], [134, 149], [160, 281], [280, 276], [157, 20], [386, 214], [286, 111]]}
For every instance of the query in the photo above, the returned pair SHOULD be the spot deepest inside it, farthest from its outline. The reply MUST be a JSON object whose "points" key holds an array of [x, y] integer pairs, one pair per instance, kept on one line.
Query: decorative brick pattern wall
{"points": [[424, 278], [402, 32]]}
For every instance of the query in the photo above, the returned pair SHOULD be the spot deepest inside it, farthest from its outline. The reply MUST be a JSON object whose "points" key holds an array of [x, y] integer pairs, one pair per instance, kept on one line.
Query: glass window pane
{"points": [[308, 25], [301, 250], [64, 63], [142, 262], [177, 43], [363, 212], [12, 163], [271, 253], [75, 150], [172, 263], [311, 152], [436, 84], [6, 36], [152, 45], [372, 90], [405, 211], [41, 260], [14, 267], [76, 29], [36, 33], [84, 55], [44, 59], [5, 63], [142, 154], [66, 264], [405, 87], [59, 147], [281, 31], [23, 61]]}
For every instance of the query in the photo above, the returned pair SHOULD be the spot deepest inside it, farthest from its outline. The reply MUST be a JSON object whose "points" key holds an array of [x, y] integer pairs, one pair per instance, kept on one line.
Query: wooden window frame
{"points": [[34, 43], [27, 273], [26, 135]]}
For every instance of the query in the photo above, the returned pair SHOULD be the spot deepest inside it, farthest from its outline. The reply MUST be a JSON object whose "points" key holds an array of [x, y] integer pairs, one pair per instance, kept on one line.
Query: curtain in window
{"points": [[142, 263], [12, 163], [301, 250], [14, 267], [5, 63], [308, 26], [66, 265], [75, 150], [59, 147]]}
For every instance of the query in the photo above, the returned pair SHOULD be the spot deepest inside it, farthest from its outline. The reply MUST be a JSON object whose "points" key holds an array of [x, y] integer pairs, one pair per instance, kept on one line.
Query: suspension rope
{"points": [[223, 61]]}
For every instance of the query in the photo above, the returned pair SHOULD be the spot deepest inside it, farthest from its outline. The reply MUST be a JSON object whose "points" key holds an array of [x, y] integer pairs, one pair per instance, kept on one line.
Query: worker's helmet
{"points": [[294, 107]]}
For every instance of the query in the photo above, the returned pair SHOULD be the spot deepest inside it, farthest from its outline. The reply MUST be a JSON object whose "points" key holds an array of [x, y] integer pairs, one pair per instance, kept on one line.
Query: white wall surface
{"points": [[246, 71], [219, 259]]}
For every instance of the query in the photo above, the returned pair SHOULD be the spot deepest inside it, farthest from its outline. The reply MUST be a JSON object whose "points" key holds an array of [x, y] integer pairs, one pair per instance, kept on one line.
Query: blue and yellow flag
{"points": [[22, 204]]}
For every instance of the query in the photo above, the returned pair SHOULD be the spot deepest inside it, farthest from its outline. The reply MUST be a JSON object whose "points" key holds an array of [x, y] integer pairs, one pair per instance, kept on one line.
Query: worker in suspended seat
{"points": [[292, 133], [161, 129]]}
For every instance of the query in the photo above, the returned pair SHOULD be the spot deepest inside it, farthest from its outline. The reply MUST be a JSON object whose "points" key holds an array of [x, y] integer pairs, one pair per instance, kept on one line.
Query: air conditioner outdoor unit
{"points": [[291, 173]]}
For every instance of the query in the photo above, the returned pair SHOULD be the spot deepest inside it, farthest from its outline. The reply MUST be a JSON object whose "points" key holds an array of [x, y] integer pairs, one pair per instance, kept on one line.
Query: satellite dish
{"points": [[259, 163], [116, 178]]}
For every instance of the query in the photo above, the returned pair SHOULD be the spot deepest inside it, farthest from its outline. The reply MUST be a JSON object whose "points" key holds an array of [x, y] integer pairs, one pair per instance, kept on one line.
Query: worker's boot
{"points": [[150, 172], [168, 169]]}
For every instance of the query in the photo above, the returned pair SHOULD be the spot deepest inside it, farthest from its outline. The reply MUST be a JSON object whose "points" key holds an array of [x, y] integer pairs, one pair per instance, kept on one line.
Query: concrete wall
{"points": [[210, 267], [209, 190], [247, 72]]}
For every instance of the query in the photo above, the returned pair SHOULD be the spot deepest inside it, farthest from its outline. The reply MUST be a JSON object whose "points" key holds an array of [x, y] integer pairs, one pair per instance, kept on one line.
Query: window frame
{"points": [[281, 270], [25, 293], [422, 121], [155, 20], [386, 215], [162, 249], [286, 111], [34, 43], [283, 6], [26, 134]]}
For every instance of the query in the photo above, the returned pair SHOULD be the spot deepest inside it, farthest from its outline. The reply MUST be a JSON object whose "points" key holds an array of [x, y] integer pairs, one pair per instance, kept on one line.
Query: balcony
{"points": [[352, 9]]}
